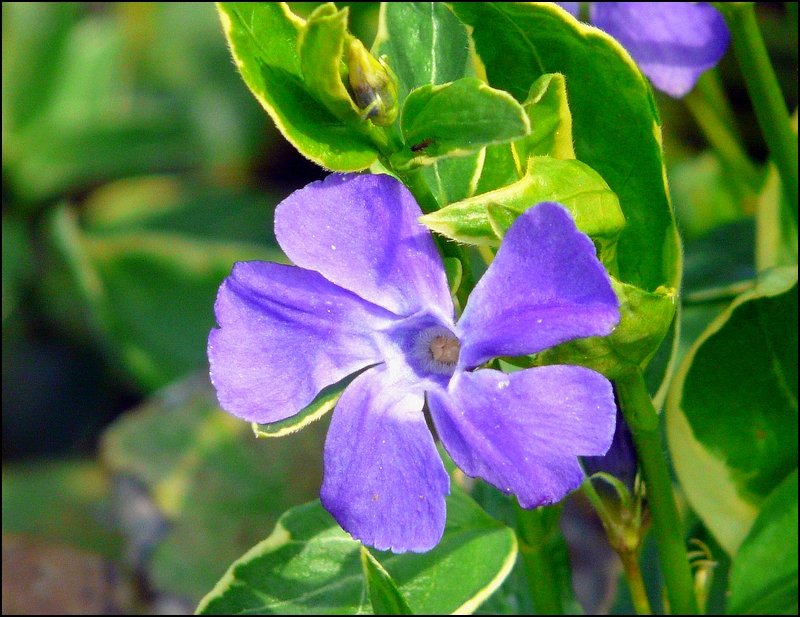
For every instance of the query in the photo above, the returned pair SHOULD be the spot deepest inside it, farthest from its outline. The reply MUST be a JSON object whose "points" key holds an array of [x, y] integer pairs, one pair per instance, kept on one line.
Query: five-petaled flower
{"points": [[672, 42], [369, 293]]}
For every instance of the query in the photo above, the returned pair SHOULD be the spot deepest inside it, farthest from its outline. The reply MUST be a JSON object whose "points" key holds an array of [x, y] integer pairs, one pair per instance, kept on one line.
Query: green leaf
{"points": [[455, 178], [592, 204], [214, 488], [703, 195], [264, 39], [310, 565], [324, 402], [645, 318], [454, 269], [78, 81], [456, 119], [17, 261], [33, 43], [717, 261], [424, 44], [615, 122], [384, 596], [550, 118], [776, 232], [61, 501], [147, 295], [175, 205], [732, 408], [83, 106], [501, 167], [764, 572], [551, 135], [321, 48]]}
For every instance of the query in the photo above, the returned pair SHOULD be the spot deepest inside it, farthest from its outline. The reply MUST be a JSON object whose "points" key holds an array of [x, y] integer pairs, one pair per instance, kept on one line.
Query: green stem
{"points": [[539, 567], [628, 552], [712, 116], [643, 419], [597, 503], [711, 87], [633, 576], [765, 93]]}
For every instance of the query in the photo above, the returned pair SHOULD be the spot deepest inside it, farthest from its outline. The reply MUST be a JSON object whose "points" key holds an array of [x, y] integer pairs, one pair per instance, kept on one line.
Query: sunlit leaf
{"points": [[264, 39], [571, 183], [764, 572], [309, 565], [384, 596], [614, 119], [732, 408], [456, 119], [212, 488]]}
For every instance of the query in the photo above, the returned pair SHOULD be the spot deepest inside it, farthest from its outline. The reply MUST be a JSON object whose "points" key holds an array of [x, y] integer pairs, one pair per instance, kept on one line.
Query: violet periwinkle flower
{"points": [[673, 43], [369, 293], [620, 461]]}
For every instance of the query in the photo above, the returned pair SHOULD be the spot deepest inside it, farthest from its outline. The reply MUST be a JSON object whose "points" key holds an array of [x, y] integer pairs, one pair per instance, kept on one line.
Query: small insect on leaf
{"points": [[421, 145]]}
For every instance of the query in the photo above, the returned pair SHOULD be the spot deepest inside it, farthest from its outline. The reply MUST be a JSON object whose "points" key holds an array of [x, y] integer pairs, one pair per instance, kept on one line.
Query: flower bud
{"points": [[374, 85]]}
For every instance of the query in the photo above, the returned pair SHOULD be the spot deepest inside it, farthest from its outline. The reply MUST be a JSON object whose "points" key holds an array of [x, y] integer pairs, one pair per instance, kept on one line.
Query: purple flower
{"points": [[672, 42], [369, 293], [620, 461]]}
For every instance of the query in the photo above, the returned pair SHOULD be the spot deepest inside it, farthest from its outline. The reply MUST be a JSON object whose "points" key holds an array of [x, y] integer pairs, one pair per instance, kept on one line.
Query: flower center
{"points": [[437, 348], [445, 349]]}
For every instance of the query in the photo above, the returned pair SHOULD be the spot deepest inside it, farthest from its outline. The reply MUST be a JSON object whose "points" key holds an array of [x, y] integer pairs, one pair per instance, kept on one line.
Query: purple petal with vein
{"points": [[384, 481], [544, 287], [522, 432], [285, 334], [361, 232]]}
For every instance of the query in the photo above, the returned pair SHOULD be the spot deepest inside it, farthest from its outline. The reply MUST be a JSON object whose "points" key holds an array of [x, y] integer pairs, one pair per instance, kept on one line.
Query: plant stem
{"points": [[539, 568], [765, 93], [629, 555], [643, 419], [711, 88], [710, 109], [633, 575]]}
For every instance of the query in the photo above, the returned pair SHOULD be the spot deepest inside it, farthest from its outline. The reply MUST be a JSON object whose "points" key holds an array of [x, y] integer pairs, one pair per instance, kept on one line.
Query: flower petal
{"points": [[573, 8], [544, 287], [620, 461], [522, 432], [361, 232], [672, 42], [384, 481], [285, 334]]}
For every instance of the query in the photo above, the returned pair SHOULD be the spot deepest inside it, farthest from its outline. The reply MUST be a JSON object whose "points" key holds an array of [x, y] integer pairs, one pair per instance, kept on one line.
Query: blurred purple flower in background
{"points": [[369, 293], [673, 43]]}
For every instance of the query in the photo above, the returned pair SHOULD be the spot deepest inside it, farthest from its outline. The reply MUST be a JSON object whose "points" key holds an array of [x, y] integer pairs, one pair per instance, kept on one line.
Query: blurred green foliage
{"points": [[128, 191]]}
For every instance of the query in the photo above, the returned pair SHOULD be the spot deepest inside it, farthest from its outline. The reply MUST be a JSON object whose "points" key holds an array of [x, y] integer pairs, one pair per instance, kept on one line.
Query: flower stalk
{"points": [[539, 567], [624, 532], [711, 110], [765, 94], [642, 417], [633, 576]]}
